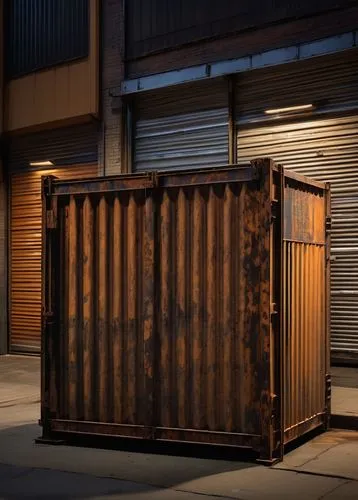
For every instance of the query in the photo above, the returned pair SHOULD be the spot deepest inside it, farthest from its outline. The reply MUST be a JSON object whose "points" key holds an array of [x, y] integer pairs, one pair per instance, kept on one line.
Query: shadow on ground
{"points": [[93, 468]]}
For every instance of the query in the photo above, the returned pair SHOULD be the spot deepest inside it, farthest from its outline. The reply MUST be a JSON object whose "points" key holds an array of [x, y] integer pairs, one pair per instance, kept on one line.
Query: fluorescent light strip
{"points": [[46, 163], [291, 109]]}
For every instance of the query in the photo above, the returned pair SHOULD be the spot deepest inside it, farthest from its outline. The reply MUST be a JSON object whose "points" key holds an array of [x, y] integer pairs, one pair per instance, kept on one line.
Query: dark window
{"points": [[43, 33]]}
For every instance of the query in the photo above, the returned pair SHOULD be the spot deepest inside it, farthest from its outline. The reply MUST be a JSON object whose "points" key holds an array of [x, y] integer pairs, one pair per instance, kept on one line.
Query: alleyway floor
{"points": [[324, 468]]}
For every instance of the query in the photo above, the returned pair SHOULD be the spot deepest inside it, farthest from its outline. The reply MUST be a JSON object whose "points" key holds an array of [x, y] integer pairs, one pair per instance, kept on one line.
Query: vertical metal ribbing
{"points": [[87, 299], [211, 309], [72, 310], [197, 318], [181, 354], [132, 284], [117, 308], [102, 317], [165, 316]]}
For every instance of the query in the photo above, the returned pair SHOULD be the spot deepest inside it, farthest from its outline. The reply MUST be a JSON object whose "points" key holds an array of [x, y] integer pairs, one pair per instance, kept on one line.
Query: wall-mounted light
{"points": [[46, 163], [290, 109]]}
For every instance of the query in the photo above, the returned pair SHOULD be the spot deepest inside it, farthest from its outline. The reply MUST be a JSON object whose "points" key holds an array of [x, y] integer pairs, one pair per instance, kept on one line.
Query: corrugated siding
{"points": [[209, 302], [306, 341], [106, 299], [329, 82], [182, 141], [62, 146], [321, 147], [25, 254], [42, 33], [198, 266], [304, 306], [185, 127]]}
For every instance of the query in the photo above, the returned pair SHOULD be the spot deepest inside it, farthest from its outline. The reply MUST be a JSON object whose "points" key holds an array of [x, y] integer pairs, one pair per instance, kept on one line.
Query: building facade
{"points": [[123, 86], [51, 125], [211, 83]]}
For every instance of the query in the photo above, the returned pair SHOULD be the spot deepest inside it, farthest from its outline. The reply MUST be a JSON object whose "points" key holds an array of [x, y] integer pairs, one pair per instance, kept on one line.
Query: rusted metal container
{"points": [[187, 306]]}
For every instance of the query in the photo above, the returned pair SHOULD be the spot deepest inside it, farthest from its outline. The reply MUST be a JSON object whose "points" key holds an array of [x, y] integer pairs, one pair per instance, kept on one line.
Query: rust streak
{"points": [[197, 324], [72, 310], [181, 313], [211, 307], [88, 245], [117, 312], [102, 328]]}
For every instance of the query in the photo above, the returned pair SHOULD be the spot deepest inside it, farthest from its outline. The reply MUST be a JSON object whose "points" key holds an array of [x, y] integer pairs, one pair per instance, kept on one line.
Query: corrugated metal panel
{"points": [[104, 369], [179, 375], [182, 141], [158, 309], [63, 146], [304, 305], [323, 148], [207, 235], [182, 128], [329, 82], [25, 254], [306, 344], [42, 33]]}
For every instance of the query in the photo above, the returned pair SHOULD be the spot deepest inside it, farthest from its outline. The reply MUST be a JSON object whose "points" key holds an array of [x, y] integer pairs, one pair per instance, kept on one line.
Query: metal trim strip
{"points": [[299, 52]]}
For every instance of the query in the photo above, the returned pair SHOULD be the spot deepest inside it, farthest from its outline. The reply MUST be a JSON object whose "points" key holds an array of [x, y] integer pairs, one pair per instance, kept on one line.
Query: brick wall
{"points": [[112, 70]]}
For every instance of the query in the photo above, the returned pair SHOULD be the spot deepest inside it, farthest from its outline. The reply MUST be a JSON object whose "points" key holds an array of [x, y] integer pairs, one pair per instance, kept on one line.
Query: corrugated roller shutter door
{"points": [[63, 146], [25, 254], [326, 149], [182, 127]]}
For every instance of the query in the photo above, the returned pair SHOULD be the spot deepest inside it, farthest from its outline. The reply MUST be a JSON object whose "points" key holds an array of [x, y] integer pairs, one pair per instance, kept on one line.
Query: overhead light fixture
{"points": [[290, 109], [46, 163]]}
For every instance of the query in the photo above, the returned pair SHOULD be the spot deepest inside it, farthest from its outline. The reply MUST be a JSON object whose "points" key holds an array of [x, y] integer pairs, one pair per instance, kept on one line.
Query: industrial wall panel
{"points": [[182, 128], [155, 25], [42, 33], [25, 253]]}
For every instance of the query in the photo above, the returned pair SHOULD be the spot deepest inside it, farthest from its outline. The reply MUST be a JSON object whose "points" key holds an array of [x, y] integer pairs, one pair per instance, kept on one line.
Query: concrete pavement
{"points": [[325, 468]]}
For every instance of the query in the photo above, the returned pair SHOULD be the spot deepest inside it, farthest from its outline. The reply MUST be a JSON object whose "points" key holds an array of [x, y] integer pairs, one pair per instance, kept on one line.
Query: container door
{"points": [[101, 257], [185, 127], [321, 143], [25, 225]]}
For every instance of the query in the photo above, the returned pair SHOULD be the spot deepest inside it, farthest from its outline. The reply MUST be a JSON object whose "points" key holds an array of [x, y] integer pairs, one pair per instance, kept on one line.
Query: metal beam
{"points": [[299, 52]]}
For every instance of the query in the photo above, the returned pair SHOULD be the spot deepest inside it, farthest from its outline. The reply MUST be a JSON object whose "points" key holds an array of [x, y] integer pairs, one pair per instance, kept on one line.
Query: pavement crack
{"points": [[319, 455], [211, 495], [321, 474], [333, 489]]}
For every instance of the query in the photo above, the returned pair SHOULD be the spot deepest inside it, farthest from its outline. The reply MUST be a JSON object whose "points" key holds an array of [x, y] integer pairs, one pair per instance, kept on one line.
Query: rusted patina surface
{"points": [[165, 304], [306, 306]]}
